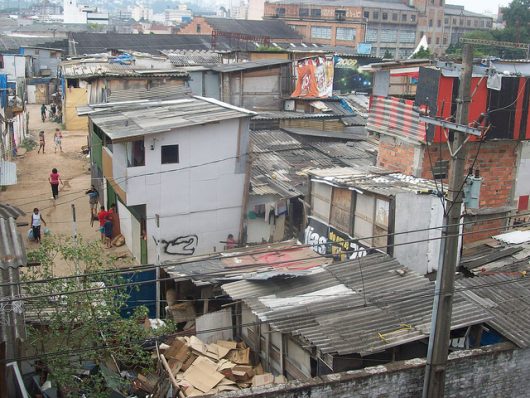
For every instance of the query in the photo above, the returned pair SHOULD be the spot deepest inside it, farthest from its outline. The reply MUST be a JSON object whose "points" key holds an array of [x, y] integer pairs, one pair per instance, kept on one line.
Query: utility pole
{"points": [[157, 272], [434, 382]]}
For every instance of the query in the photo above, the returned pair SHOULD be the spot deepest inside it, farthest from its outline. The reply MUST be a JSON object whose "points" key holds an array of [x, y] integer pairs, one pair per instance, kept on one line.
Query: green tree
{"points": [[387, 54], [73, 324], [517, 18]]}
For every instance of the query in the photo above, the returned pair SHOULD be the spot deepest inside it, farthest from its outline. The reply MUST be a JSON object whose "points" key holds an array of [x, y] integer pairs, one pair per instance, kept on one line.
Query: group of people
{"points": [[105, 218], [53, 111], [57, 139]]}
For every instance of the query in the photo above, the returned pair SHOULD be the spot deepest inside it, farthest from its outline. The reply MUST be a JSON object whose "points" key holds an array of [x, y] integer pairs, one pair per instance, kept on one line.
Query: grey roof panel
{"points": [[241, 66], [12, 251], [7, 211], [275, 29], [360, 306]]}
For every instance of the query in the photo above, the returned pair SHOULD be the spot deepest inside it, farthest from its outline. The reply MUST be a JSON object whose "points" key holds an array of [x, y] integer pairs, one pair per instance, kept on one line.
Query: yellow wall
{"points": [[75, 97]]}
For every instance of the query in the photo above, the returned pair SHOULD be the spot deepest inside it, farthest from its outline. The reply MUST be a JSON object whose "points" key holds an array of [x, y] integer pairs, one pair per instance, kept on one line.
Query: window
{"points": [[489, 24], [1, 61], [445, 40], [385, 16], [36, 52], [394, 17], [461, 21], [454, 21], [135, 153], [371, 35], [198, 29], [446, 21], [367, 14], [280, 12], [468, 22], [321, 32], [388, 35], [430, 23], [428, 40], [170, 154], [340, 15], [439, 23], [437, 40], [407, 36], [403, 17], [303, 12], [376, 15], [413, 18], [475, 23], [347, 34], [483, 23], [316, 13]]}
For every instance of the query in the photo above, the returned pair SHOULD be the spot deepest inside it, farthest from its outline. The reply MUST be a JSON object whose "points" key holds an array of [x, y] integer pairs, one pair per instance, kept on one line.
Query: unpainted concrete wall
{"points": [[493, 371]]}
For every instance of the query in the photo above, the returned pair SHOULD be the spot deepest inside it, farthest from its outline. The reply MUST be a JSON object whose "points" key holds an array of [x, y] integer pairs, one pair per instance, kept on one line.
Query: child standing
{"points": [[41, 141], [36, 219], [107, 229], [54, 180], [58, 139]]}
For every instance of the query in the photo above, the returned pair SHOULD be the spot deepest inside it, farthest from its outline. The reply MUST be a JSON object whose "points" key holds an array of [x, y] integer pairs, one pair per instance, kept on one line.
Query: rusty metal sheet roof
{"points": [[359, 306], [101, 68], [286, 259]]}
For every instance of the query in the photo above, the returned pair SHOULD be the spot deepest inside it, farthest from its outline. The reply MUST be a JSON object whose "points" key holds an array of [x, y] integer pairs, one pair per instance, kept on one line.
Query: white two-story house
{"points": [[176, 169]]}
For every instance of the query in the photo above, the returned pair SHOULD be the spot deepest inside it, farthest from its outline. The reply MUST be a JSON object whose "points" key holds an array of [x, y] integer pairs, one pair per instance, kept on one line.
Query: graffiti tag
{"points": [[181, 246]]}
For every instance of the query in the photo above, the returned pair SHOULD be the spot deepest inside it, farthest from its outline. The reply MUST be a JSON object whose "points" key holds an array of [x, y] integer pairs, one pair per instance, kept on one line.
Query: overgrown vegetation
{"points": [[422, 53], [269, 49], [28, 144], [77, 323], [517, 30]]}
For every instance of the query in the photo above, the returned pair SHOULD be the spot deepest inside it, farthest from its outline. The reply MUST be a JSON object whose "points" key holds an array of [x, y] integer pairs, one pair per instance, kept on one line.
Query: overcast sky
{"points": [[480, 5]]}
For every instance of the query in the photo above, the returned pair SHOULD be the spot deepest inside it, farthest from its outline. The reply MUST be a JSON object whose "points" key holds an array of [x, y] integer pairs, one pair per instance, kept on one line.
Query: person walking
{"points": [[42, 141], [93, 198], [36, 220], [55, 180], [102, 217], [107, 231], [58, 139], [43, 112]]}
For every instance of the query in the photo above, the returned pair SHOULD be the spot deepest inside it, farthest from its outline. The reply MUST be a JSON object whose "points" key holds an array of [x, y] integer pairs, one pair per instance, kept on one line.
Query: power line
{"points": [[27, 298], [146, 267]]}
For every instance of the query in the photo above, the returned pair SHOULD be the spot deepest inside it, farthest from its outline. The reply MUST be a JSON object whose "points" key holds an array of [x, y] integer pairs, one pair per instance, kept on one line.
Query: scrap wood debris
{"points": [[194, 368]]}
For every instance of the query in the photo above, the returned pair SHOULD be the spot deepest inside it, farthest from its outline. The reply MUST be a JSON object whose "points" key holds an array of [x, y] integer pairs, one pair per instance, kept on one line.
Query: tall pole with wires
{"points": [[435, 369]]}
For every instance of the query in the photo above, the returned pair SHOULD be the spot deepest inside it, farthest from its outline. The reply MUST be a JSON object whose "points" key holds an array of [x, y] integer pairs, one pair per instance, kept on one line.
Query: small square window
{"points": [[385, 16], [170, 154], [367, 14], [376, 15], [413, 18], [404, 17]]}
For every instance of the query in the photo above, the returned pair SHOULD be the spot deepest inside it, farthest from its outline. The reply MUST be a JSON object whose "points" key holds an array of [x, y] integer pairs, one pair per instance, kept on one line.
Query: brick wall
{"points": [[493, 371], [497, 162], [397, 155], [197, 26]]}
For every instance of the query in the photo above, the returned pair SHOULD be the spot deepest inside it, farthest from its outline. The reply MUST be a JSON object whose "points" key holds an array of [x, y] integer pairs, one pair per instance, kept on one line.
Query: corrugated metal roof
{"points": [[284, 259], [380, 308], [7, 211], [507, 299], [12, 251], [161, 92], [124, 121], [194, 57], [275, 28], [81, 69], [286, 115], [241, 66], [8, 173], [373, 179]]}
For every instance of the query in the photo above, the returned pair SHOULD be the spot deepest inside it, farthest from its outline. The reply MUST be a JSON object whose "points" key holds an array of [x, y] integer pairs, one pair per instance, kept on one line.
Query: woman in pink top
{"points": [[54, 180]]}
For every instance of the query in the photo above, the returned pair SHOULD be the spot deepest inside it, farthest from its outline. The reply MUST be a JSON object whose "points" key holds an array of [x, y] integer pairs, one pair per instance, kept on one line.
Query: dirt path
{"points": [[33, 189]]}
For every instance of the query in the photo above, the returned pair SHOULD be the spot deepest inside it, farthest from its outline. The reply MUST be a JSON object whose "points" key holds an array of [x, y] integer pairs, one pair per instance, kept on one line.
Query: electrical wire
{"points": [[150, 281], [228, 255]]}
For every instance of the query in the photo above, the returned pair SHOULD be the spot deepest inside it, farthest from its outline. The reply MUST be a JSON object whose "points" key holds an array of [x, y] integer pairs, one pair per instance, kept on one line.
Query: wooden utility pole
{"points": [[434, 382]]}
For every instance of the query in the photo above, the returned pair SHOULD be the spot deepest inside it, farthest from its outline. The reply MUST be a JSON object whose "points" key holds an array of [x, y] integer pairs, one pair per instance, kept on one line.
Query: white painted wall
{"points": [[522, 178], [199, 202], [418, 212], [14, 67], [130, 229], [215, 326]]}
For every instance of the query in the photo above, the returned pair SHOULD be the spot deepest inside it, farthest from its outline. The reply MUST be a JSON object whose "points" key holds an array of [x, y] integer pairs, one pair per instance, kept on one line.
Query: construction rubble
{"points": [[191, 368]]}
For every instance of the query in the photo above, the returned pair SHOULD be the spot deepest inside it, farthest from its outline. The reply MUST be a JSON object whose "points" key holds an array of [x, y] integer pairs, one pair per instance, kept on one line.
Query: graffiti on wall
{"points": [[327, 240], [180, 246]]}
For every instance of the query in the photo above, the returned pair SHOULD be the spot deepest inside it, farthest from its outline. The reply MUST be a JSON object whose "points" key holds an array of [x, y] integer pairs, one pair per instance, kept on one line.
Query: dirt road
{"points": [[33, 189]]}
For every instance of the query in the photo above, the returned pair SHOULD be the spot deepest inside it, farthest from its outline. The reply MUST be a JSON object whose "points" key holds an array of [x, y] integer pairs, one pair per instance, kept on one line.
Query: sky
{"points": [[480, 5]]}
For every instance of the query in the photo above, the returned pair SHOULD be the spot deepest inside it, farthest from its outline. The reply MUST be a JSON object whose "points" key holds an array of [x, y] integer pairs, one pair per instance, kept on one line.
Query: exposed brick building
{"points": [[502, 159]]}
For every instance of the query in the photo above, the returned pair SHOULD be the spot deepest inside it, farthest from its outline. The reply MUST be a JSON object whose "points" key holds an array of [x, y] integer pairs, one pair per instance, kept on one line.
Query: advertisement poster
{"points": [[314, 77]]}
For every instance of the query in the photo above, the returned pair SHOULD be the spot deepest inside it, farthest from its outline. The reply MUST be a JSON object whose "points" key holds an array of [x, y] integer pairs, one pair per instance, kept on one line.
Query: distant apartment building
{"points": [[392, 27], [81, 14], [177, 15], [458, 22], [322, 22], [142, 12]]}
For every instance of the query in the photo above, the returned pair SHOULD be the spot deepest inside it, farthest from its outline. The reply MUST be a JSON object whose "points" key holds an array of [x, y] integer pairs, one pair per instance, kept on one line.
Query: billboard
{"points": [[314, 77]]}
